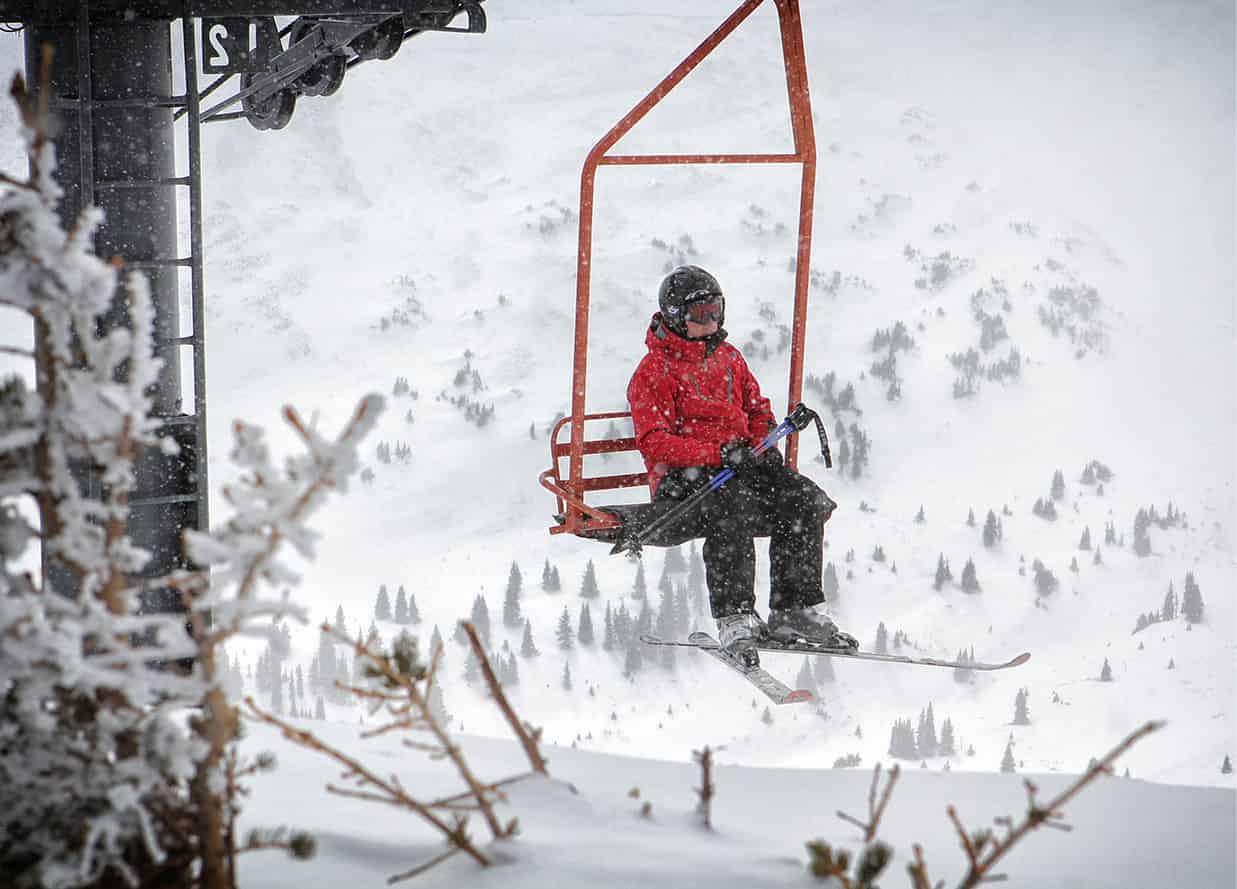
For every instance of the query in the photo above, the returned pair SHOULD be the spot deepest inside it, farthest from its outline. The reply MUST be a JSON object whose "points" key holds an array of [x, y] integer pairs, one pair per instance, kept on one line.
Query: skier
{"points": [[697, 409]]}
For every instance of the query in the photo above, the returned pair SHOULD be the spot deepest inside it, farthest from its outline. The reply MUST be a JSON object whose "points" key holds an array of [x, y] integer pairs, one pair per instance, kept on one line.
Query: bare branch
{"points": [[528, 742], [875, 809], [393, 791], [981, 862]]}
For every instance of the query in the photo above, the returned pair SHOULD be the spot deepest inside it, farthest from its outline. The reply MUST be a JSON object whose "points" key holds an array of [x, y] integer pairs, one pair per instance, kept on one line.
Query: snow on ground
{"points": [[581, 828]]}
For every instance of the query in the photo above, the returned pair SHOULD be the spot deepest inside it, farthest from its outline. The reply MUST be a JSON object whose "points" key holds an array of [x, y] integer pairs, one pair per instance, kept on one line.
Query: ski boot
{"points": [[737, 634], [809, 624]]}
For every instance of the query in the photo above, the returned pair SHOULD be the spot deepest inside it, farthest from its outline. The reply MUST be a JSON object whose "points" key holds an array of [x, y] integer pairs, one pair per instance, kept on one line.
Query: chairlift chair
{"points": [[574, 515]]}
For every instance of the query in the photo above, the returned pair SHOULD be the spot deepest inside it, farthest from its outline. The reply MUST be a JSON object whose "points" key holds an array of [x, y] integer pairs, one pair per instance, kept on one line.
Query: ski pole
{"points": [[798, 420]]}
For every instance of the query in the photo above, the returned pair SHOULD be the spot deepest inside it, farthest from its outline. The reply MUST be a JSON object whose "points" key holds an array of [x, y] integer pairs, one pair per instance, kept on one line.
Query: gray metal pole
{"points": [[111, 86]]}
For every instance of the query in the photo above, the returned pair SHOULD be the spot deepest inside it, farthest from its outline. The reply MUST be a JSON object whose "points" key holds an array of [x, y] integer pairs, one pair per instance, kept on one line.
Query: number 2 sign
{"points": [[237, 45]]}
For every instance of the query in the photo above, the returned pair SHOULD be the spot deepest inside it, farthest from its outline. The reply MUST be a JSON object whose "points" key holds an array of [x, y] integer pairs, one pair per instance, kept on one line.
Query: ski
{"points": [[773, 688], [705, 642]]}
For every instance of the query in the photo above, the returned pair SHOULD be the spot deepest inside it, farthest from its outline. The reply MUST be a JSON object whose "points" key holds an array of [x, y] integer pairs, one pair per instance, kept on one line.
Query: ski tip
{"points": [[650, 639], [798, 696], [1020, 659]]}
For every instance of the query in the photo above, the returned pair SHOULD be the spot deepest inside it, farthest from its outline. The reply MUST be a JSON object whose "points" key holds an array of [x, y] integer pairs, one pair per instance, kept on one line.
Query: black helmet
{"points": [[686, 285]]}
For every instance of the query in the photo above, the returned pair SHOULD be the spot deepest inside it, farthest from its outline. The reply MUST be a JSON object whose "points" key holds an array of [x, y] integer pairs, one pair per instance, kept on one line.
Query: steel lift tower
{"points": [[121, 82]]}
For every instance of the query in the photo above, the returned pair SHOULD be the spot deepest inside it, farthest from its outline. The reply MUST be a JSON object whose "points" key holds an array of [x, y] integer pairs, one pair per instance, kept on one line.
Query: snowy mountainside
{"points": [[582, 827], [421, 224]]}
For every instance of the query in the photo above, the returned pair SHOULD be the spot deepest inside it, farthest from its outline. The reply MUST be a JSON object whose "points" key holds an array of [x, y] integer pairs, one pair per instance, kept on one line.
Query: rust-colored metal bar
{"points": [[584, 258], [805, 146], [571, 490], [635, 159]]}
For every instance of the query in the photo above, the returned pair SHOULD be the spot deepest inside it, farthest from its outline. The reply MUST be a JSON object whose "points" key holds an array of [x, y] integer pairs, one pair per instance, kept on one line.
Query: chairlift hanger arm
{"points": [[49, 12]]}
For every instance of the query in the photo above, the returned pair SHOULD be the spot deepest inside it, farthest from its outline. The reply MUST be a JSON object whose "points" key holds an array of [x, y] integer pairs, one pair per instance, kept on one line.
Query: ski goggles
{"points": [[706, 308]]}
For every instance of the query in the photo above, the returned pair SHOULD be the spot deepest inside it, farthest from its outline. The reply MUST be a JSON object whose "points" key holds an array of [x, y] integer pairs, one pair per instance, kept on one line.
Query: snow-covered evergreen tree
{"points": [[1106, 672], [1142, 535], [400, 614], [1007, 761], [970, 582], [943, 574], [640, 588], [564, 635], [481, 619], [585, 631], [511, 599], [588, 586], [1192, 600], [1022, 715], [829, 583], [1168, 611], [100, 787], [882, 639], [382, 605], [528, 648]]}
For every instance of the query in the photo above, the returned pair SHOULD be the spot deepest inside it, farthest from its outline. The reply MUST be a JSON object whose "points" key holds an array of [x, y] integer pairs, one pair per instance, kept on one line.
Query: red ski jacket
{"points": [[687, 401]]}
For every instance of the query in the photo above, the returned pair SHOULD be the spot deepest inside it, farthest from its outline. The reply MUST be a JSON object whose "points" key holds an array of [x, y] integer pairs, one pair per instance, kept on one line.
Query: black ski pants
{"points": [[765, 501]]}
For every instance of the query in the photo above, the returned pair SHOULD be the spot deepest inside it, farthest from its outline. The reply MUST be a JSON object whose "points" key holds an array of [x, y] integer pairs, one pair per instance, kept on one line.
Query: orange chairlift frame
{"points": [[574, 515]]}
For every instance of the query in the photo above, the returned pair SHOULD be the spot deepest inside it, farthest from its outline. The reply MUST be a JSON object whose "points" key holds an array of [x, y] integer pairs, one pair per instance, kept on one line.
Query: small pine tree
{"points": [[992, 530], [481, 618], [1058, 485], [588, 586], [882, 639], [943, 574], [970, 582], [511, 600], [920, 518], [566, 676], [970, 518], [563, 634], [830, 583], [1106, 672], [1168, 611], [1007, 761], [1142, 535], [319, 708], [556, 582], [767, 717], [382, 605], [804, 678], [545, 576], [1192, 600], [528, 648], [608, 637], [640, 589], [1085, 542], [947, 744], [1021, 715], [1226, 767], [1098, 560], [340, 624], [585, 631]]}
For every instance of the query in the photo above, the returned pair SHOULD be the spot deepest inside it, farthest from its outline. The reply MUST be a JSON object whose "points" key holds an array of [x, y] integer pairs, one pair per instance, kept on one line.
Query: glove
{"points": [[737, 455]]}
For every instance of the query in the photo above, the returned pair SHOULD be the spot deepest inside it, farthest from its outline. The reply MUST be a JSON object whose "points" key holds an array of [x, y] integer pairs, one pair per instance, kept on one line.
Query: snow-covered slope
{"points": [[583, 828], [1045, 147]]}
